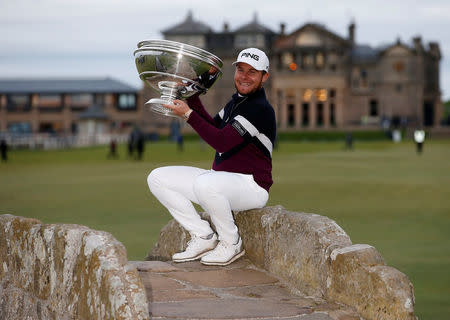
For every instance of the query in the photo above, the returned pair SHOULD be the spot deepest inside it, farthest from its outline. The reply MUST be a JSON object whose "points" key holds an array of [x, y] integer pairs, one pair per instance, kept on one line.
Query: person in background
{"points": [[112, 149], [419, 138], [4, 150]]}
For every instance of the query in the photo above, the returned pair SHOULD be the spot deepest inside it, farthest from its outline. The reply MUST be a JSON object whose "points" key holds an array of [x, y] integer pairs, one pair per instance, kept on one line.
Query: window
{"points": [[47, 127], [320, 60], [305, 114], [100, 99], [19, 127], [321, 94], [288, 60], [319, 117], [307, 60], [84, 99], [307, 94], [332, 61], [126, 101], [363, 74], [50, 103], [332, 93], [399, 66], [364, 78], [18, 102], [291, 115], [373, 108], [193, 40], [332, 114], [74, 128], [49, 100], [249, 40]]}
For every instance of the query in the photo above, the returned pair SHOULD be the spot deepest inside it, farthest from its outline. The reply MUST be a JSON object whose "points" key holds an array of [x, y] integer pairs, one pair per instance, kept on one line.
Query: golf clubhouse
{"points": [[319, 80]]}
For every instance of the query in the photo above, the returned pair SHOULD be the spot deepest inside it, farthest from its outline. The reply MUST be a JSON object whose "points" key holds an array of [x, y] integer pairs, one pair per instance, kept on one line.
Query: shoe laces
{"points": [[193, 240], [223, 246]]}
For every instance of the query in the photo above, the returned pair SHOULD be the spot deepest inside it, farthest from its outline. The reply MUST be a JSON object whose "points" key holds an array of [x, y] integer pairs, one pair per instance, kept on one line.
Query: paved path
{"points": [[191, 290]]}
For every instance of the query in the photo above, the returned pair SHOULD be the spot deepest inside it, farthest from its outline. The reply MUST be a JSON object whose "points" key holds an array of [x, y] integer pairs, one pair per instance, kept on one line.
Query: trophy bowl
{"points": [[176, 70]]}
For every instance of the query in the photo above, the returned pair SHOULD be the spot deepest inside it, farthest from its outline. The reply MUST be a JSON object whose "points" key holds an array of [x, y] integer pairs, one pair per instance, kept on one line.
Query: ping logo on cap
{"points": [[251, 55]]}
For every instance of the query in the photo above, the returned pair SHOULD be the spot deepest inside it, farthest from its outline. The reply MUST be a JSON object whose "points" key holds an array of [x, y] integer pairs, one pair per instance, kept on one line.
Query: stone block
{"points": [[359, 278], [153, 266], [65, 272], [224, 278], [297, 246], [172, 239]]}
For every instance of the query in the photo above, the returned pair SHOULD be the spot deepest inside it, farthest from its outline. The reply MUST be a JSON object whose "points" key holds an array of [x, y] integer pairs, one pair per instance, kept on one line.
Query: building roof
{"points": [[364, 54], [94, 112], [289, 41], [253, 27], [188, 26], [385, 47], [65, 85]]}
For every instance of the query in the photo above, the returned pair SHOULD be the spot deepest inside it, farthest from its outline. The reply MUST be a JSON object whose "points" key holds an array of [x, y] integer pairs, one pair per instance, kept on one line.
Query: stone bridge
{"points": [[297, 266]]}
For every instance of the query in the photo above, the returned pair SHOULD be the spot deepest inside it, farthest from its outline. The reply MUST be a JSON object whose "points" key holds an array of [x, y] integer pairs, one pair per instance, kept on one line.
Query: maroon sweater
{"points": [[242, 133]]}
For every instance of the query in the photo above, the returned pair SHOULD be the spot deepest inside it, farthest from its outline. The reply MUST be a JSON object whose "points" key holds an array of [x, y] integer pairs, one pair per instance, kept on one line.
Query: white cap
{"points": [[254, 57]]}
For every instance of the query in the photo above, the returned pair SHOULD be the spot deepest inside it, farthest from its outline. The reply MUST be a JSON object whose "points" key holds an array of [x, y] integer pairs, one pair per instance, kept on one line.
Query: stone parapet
{"points": [[314, 257], [359, 277], [63, 272]]}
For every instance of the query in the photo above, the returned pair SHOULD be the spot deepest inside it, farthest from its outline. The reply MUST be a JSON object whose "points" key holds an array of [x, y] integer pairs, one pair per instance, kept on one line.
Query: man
{"points": [[4, 150], [419, 138], [243, 134]]}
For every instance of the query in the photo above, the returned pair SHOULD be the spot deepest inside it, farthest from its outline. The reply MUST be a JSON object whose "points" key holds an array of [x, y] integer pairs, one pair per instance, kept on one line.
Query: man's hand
{"points": [[178, 107]]}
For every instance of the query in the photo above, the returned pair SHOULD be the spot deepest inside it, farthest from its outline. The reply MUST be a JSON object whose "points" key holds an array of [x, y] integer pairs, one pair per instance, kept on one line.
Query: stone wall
{"points": [[314, 256], [65, 272]]}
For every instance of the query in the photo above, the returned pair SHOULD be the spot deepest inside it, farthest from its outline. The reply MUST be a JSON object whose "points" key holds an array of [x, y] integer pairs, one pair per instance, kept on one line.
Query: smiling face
{"points": [[247, 79]]}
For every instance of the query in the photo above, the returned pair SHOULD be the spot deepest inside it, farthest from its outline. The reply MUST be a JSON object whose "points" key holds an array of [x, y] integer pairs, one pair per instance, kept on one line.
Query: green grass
{"points": [[382, 194]]}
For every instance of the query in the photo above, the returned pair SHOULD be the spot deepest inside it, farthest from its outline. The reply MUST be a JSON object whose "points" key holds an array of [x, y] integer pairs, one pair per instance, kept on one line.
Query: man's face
{"points": [[247, 79]]}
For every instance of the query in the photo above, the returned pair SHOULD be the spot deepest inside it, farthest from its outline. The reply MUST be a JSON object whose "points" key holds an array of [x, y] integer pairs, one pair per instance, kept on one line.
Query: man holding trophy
{"points": [[243, 134]]}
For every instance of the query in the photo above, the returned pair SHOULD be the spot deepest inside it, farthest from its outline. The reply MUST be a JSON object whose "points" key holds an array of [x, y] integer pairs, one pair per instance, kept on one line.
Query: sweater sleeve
{"points": [[196, 104], [221, 140]]}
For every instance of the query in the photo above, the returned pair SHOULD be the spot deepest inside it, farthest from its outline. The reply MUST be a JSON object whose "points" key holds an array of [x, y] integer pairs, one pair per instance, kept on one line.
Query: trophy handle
{"points": [[156, 105], [170, 90]]}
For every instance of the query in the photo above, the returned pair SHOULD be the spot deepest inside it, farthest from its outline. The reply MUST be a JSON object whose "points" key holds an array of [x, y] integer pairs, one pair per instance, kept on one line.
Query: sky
{"points": [[96, 38]]}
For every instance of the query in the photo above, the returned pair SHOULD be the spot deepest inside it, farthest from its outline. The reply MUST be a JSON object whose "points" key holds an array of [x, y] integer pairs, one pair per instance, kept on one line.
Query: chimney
{"points": [[226, 28], [351, 32], [282, 29], [435, 51], [418, 44]]}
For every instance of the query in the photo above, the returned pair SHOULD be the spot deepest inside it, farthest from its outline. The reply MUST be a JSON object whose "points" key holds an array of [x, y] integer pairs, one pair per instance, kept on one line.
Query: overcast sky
{"points": [[66, 38]]}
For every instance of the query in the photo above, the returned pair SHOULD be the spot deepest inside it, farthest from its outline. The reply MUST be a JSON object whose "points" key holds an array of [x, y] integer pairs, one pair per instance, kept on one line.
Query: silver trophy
{"points": [[176, 70]]}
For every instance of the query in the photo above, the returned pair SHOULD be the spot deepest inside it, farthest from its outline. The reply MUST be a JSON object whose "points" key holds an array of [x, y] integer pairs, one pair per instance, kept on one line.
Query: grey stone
{"points": [[65, 272], [172, 239], [358, 277], [226, 309], [313, 256], [154, 266]]}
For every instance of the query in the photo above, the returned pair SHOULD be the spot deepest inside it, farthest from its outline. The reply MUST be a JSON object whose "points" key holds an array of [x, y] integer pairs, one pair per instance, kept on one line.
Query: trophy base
{"points": [[156, 105]]}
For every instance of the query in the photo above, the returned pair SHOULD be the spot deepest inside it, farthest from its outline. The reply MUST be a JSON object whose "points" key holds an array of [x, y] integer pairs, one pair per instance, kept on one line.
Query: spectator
{"points": [[419, 138], [112, 149], [4, 150]]}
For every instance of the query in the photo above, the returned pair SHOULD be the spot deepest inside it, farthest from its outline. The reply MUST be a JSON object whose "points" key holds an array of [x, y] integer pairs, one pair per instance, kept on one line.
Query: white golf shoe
{"points": [[197, 247], [224, 254]]}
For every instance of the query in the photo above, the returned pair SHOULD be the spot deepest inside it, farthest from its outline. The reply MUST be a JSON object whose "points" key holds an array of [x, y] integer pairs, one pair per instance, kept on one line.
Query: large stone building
{"points": [[320, 79]]}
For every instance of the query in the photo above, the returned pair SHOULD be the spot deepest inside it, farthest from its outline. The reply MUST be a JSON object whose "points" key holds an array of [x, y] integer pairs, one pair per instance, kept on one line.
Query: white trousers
{"points": [[217, 192]]}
